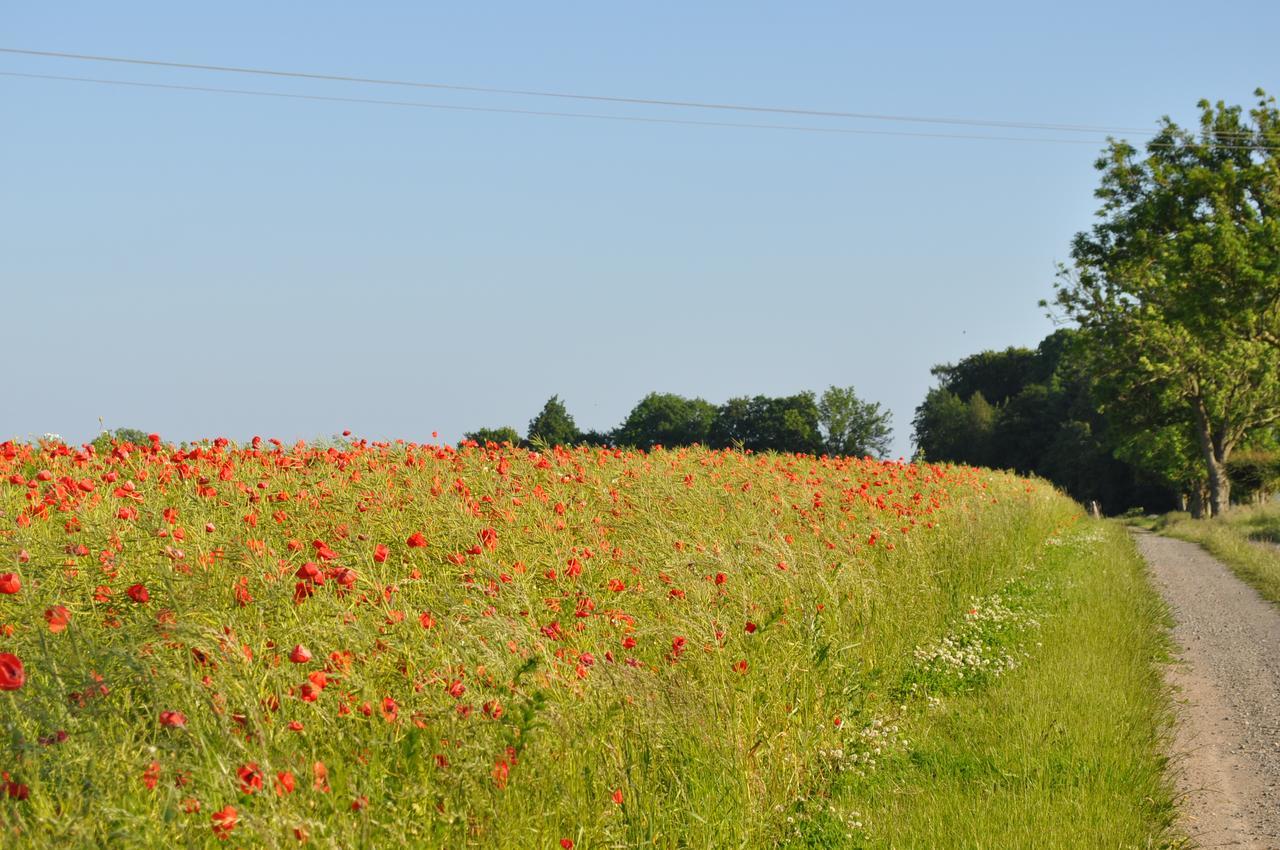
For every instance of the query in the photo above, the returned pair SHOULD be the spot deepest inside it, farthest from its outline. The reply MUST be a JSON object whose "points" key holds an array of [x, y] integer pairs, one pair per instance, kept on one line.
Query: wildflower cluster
{"points": [[376, 642]]}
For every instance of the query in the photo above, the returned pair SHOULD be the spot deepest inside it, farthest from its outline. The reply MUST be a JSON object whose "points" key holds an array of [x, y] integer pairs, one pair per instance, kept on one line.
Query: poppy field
{"points": [[369, 644]]}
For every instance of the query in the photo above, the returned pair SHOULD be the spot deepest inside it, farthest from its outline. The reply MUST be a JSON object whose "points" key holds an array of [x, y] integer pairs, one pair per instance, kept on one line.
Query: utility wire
{"points": [[550, 114], [685, 104], [857, 131]]}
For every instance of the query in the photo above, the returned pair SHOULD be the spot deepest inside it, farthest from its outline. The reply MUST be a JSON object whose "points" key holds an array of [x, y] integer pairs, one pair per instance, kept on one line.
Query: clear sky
{"points": [[207, 264]]}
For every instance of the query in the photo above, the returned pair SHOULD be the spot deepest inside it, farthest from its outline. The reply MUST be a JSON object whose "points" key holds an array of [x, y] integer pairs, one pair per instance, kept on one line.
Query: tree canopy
{"points": [[666, 419], [553, 425], [1177, 288], [851, 426]]}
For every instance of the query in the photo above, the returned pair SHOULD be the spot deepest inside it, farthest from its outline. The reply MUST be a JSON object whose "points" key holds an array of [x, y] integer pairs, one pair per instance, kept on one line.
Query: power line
{"points": [[545, 113], [856, 131], [684, 104]]}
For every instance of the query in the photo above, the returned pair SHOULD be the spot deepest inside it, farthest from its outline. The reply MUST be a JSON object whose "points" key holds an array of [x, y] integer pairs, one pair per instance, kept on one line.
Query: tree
{"points": [[998, 375], [786, 424], [554, 426], [948, 428], [666, 419], [851, 426], [505, 434], [1177, 289]]}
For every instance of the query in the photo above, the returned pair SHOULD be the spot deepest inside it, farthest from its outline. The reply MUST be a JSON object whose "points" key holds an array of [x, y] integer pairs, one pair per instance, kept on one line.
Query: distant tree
{"points": [[785, 424], [553, 425], [1176, 288], [998, 375], [950, 429], [505, 434], [1255, 472], [596, 438], [851, 426], [666, 419], [106, 439]]}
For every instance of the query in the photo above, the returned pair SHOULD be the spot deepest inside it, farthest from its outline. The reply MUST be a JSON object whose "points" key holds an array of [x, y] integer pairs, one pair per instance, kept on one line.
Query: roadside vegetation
{"points": [[372, 644], [1039, 721], [1246, 539]]}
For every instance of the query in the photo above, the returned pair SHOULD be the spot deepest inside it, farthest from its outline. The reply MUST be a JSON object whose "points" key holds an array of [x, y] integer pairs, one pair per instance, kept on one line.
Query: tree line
{"points": [[1171, 376], [837, 423]]}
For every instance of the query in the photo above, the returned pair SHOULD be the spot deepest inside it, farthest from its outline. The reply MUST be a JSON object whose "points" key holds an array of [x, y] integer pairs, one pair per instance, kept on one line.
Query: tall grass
{"points": [[604, 648], [1066, 750]]}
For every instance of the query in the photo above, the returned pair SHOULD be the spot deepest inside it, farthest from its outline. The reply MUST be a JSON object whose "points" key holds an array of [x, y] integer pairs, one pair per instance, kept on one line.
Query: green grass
{"points": [[1064, 750], [678, 649], [1242, 539]]}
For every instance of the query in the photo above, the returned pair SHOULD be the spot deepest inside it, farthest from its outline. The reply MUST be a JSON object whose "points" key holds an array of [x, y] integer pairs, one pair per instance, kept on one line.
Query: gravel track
{"points": [[1226, 748]]}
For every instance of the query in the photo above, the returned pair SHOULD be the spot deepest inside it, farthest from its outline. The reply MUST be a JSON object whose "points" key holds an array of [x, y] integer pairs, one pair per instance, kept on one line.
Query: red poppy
{"points": [[250, 778], [380, 553], [10, 583], [300, 654], [57, 617], [173, 719], [12, 675], [285, 783], [138, 593], [416, 540], [223, 822]]}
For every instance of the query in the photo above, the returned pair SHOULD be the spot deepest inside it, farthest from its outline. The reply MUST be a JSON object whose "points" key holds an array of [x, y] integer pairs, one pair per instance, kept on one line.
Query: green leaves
{"points": [[1177, 289]]}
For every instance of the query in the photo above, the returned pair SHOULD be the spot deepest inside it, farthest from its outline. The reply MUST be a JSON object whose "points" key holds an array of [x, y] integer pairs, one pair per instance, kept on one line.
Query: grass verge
{"points": [[1054, 740], [1245, 539]]}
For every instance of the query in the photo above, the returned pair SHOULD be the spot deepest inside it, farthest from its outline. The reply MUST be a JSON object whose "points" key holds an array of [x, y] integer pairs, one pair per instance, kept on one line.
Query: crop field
{"points": [[373, 644]]}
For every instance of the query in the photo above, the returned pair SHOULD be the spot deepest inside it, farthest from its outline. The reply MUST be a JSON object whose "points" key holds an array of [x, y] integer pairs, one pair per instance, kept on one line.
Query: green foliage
{"points": [[1255, 472], [666, 419], [497, 436], [553, 425], [949, 428], [1176, 289], [785, 424], [853, 427], [998, 375], [1048, 425], [104, 441]]}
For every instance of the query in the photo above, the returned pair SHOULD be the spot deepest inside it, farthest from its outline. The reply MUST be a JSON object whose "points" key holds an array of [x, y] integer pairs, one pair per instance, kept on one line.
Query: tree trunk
{"points": [[1215, 460], [1219, 487], [1197, 503]]}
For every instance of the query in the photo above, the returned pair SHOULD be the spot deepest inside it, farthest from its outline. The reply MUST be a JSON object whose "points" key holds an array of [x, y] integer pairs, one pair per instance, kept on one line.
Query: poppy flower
{"points": [[300, 654], [250, 778], [285, 783], [380, 553], [12, 676], [416, 540], [223, 822], [138, 593], [57, 617], [173, 719], [10, 583]]}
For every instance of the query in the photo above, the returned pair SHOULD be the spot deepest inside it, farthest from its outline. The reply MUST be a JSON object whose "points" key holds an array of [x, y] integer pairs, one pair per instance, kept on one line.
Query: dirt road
{"points": [[1227, 744]]}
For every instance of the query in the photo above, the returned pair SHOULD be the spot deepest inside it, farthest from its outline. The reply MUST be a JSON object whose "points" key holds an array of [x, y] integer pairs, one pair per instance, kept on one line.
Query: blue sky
{"points": [[207, 264]]}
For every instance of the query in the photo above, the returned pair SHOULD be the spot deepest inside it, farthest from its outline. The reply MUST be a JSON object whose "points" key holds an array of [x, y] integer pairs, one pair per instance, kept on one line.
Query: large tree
{"points": [[763, 423], [666, 419], [553, 425], [853, 427], [1177, 288]]}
